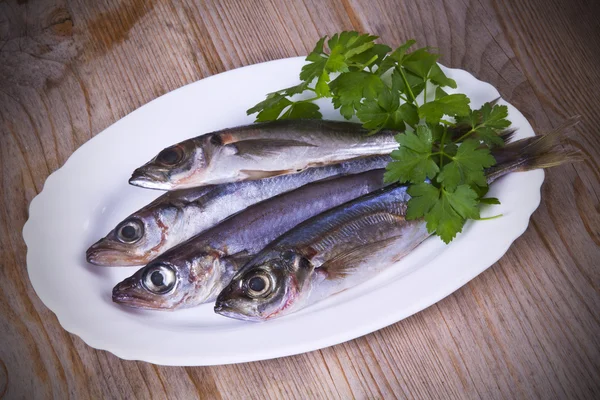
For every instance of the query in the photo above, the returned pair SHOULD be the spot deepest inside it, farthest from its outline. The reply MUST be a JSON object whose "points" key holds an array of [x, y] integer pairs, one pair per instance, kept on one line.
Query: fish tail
{"points": [[542, 151], [507, 134]]}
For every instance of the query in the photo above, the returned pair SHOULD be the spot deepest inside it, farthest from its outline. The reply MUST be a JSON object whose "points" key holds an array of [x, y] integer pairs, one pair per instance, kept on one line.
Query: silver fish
{"points": [[197, 270], [179, 215], [259, 151], [349, 244]]}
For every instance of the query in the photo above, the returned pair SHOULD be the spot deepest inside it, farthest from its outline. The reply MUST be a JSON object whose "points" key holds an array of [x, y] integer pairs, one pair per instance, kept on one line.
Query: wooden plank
{"points": [[527, 327]]}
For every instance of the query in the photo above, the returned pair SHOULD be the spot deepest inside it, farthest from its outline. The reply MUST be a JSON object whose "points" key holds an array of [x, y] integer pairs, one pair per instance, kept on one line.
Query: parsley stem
{"points": [[442, 146], [465, 135], [489, 218], [474, 129], [410, 92]]}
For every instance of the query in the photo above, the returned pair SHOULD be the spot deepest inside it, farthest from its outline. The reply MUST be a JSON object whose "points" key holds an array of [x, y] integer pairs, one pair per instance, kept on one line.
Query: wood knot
{"points": [[60, 22]]}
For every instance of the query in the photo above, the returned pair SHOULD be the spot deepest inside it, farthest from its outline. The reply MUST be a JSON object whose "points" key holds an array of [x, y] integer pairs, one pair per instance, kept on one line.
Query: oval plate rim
{"points": [[88, 333]]}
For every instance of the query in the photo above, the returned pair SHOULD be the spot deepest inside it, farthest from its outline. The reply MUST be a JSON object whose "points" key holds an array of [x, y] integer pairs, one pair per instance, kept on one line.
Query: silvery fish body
{"points": [[323, 256], [258, 151], [179, 215], [195, 271]]}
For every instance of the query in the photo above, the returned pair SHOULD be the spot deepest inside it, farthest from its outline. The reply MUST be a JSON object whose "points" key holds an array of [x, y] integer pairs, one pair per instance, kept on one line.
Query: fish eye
{"points": [[170, 155], [258, 284], [159, 279], [130, 231]]}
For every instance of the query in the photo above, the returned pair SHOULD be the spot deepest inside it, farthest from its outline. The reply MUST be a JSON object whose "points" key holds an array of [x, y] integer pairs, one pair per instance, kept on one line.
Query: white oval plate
{"points": [[85, 198]]}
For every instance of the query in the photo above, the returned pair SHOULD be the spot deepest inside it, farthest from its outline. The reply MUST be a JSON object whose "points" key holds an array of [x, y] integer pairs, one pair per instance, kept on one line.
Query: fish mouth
{"points": [[101, 254], [131, 301], [121, 292], [148, 179], [125, 293], [224, 309]]}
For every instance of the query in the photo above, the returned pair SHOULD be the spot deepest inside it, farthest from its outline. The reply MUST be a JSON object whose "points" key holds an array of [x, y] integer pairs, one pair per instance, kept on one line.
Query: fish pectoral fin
{"points": [[232, 263], [260, 174], [240, 258], [346, 263], [266, 147]]}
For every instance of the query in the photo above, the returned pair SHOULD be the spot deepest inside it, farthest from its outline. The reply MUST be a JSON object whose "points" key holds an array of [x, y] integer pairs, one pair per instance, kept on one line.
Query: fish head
{"points": [[137, 239], [175, 167], [170, 283], [265, 288]]}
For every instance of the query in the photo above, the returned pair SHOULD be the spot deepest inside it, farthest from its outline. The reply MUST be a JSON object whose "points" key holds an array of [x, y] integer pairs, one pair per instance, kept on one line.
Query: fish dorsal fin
{"points": [[265, 147], [347, 262]]}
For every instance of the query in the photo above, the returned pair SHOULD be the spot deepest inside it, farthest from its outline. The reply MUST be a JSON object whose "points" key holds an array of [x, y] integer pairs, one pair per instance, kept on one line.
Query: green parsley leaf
{"points": [[437, 76], [313, 70], [351, 42], [449, 214], [271, 108], [322, 88], [346, 46], [395, 58], [371, 57], [443, 220], [486, 123], [489, 200], [494, 117], [464, 201], [445, 211], [453, 104], [467, 166], [350, 88], [295, 89], [439, 92], [415, 83], [317, 63], [414, 163], [420, 62], [301, 110], [385, 112], [423, 197], [336, 62]]}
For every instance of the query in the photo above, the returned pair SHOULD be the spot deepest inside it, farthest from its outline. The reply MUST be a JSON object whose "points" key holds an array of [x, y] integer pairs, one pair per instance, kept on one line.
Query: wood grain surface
{"points": [[528, 327]]}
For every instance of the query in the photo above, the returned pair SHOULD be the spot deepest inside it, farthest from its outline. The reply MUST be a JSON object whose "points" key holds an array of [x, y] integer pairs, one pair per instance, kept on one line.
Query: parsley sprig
{"points": [[444, 145]]}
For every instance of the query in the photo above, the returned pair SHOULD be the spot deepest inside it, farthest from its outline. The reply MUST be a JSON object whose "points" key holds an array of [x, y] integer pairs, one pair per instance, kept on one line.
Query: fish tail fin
{"points": [[507, 134], [542, 151]]}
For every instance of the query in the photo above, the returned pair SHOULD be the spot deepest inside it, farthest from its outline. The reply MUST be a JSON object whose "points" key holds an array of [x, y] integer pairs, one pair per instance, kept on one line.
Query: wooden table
{"points": [[526, 328]]}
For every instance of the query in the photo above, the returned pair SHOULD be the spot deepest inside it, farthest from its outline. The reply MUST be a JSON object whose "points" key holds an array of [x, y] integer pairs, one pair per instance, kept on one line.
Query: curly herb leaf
{"points": [[486, 123], [442, 161], [452, 105], [467, 165], [413, 159], [351, 88]]}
